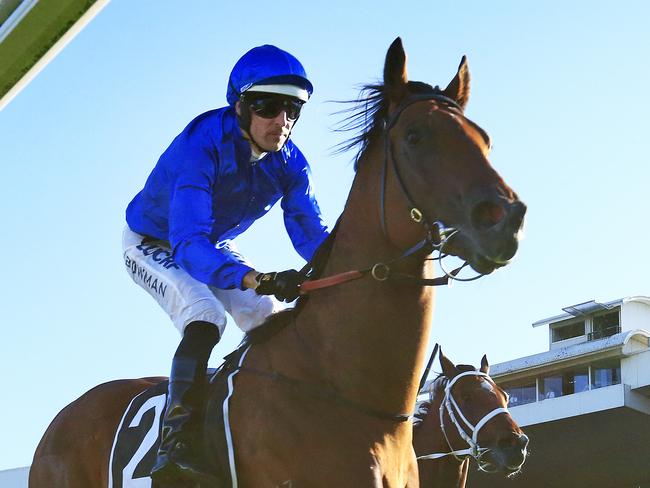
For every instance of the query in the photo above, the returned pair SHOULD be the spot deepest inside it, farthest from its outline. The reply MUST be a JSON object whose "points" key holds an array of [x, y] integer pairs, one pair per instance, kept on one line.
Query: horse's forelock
{"points": [[440, 382], [421, 88], [465, 367]]}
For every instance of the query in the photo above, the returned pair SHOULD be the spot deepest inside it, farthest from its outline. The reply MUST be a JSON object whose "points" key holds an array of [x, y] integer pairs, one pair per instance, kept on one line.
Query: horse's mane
{"points": [[367, 114]]}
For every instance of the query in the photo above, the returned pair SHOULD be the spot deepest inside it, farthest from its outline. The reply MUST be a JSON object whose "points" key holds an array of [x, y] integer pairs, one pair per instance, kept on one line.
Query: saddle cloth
{"points": [[136, 441]]}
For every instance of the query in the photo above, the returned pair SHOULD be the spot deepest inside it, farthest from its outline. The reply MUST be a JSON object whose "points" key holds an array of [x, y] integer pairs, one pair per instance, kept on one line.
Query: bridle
{"points": [[437, 234], [436, 231], [468, 432]]}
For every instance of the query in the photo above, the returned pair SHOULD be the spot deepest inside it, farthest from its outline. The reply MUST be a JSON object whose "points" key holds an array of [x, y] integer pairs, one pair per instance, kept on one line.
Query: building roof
{"points": [[592, 306], [570, 352]]}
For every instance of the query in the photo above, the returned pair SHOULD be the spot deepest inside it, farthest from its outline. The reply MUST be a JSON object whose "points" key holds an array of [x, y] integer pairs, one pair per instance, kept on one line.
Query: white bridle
{"points": [[469, 433]]}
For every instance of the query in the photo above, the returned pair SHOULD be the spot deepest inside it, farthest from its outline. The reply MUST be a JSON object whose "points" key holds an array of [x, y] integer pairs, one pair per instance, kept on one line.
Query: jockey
{"points": [[224, 171]]}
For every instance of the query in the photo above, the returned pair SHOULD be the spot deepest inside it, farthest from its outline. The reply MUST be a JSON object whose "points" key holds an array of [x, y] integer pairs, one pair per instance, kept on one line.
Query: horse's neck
{"points": [[452, 473], [443, 473], [371, 335], [448, 472]]}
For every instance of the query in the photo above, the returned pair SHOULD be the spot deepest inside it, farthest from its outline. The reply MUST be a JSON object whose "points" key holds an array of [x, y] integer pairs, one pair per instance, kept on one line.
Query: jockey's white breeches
{"points": [[185, 299]]}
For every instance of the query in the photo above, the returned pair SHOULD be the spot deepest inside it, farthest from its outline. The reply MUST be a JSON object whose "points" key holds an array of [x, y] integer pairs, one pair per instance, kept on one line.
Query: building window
{"points": [[569, 331], [522, 393], [551, 386], [576, 380], [564, 383], [606, 373], [605, 325]]}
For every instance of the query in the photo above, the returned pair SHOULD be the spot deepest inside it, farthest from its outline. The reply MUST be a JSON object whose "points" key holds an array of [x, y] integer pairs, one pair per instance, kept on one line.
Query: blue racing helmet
{"points": [[271, 70]]}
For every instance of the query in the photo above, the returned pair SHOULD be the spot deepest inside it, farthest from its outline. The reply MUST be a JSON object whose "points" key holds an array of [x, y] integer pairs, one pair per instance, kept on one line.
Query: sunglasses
{"points": [[269, 107]]}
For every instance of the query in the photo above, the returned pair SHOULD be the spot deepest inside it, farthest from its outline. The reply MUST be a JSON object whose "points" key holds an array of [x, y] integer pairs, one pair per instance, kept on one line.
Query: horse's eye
{"points": [[413, 137]]}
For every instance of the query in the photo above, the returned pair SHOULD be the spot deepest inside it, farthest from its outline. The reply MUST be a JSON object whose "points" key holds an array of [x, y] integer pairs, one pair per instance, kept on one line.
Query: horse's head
{"points": [[474, 412], [441, 167]]}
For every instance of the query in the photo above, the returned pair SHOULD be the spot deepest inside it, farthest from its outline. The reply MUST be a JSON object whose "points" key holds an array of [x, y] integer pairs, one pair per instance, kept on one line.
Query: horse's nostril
{"points": [[516, 214], [486, 215], [519, 441], [522, 441]]}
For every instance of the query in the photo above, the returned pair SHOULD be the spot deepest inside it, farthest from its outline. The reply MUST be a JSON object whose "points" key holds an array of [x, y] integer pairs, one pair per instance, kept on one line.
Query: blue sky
{"points": [[562, 88]]}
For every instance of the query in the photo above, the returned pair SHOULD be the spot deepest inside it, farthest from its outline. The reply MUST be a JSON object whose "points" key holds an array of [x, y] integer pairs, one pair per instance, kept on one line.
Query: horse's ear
{"points": [[485, 366], [448, 368], [395, 76], [458, 88]]}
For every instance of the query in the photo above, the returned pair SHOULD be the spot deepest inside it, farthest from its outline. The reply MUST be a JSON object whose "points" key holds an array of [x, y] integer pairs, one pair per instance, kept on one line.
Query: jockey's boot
{"points": [[178, 454]]}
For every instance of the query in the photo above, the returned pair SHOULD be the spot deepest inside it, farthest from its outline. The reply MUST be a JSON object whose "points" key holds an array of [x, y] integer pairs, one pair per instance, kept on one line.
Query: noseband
{"points": [[468, 432]]}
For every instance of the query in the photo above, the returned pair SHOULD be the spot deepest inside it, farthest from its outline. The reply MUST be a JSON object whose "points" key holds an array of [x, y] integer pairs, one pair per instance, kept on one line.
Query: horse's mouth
{"points": [[513, 469], [495, 467], [485, 265], [482, 263], [509, 472], [492, 245], [504, 461]]}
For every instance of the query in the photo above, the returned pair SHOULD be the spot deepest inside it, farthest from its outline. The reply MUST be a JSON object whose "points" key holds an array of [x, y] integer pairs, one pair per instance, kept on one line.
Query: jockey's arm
{"points": [[250, 280], [302, 216], [190, 224]]}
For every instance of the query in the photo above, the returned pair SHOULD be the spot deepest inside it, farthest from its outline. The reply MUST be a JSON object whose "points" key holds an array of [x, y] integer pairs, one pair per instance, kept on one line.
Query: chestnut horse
{"points": [[466, 416], [300, 413]]}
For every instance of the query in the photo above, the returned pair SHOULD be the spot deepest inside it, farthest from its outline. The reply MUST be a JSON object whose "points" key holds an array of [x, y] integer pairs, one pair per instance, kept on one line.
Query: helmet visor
{"points": [[282, 89]]}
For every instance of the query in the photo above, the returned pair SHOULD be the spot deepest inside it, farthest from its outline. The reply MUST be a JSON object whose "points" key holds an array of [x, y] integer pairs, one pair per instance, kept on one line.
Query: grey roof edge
{"points": [[613, 303], [566, 353], [638, 298]]}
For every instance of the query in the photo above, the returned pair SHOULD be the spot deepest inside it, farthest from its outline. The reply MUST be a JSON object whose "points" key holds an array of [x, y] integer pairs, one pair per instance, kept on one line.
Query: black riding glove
{"points": [[285, 285]]}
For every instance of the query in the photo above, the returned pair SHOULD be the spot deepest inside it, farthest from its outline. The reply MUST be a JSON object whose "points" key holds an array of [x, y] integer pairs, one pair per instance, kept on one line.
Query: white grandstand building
{"points": [[585, 403], [14, 478]]}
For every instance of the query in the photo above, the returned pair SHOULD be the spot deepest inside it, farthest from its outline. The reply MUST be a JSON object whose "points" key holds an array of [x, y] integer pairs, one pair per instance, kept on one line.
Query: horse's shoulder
{"points": [[107, 399], [78, 424], [122, 388]]}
